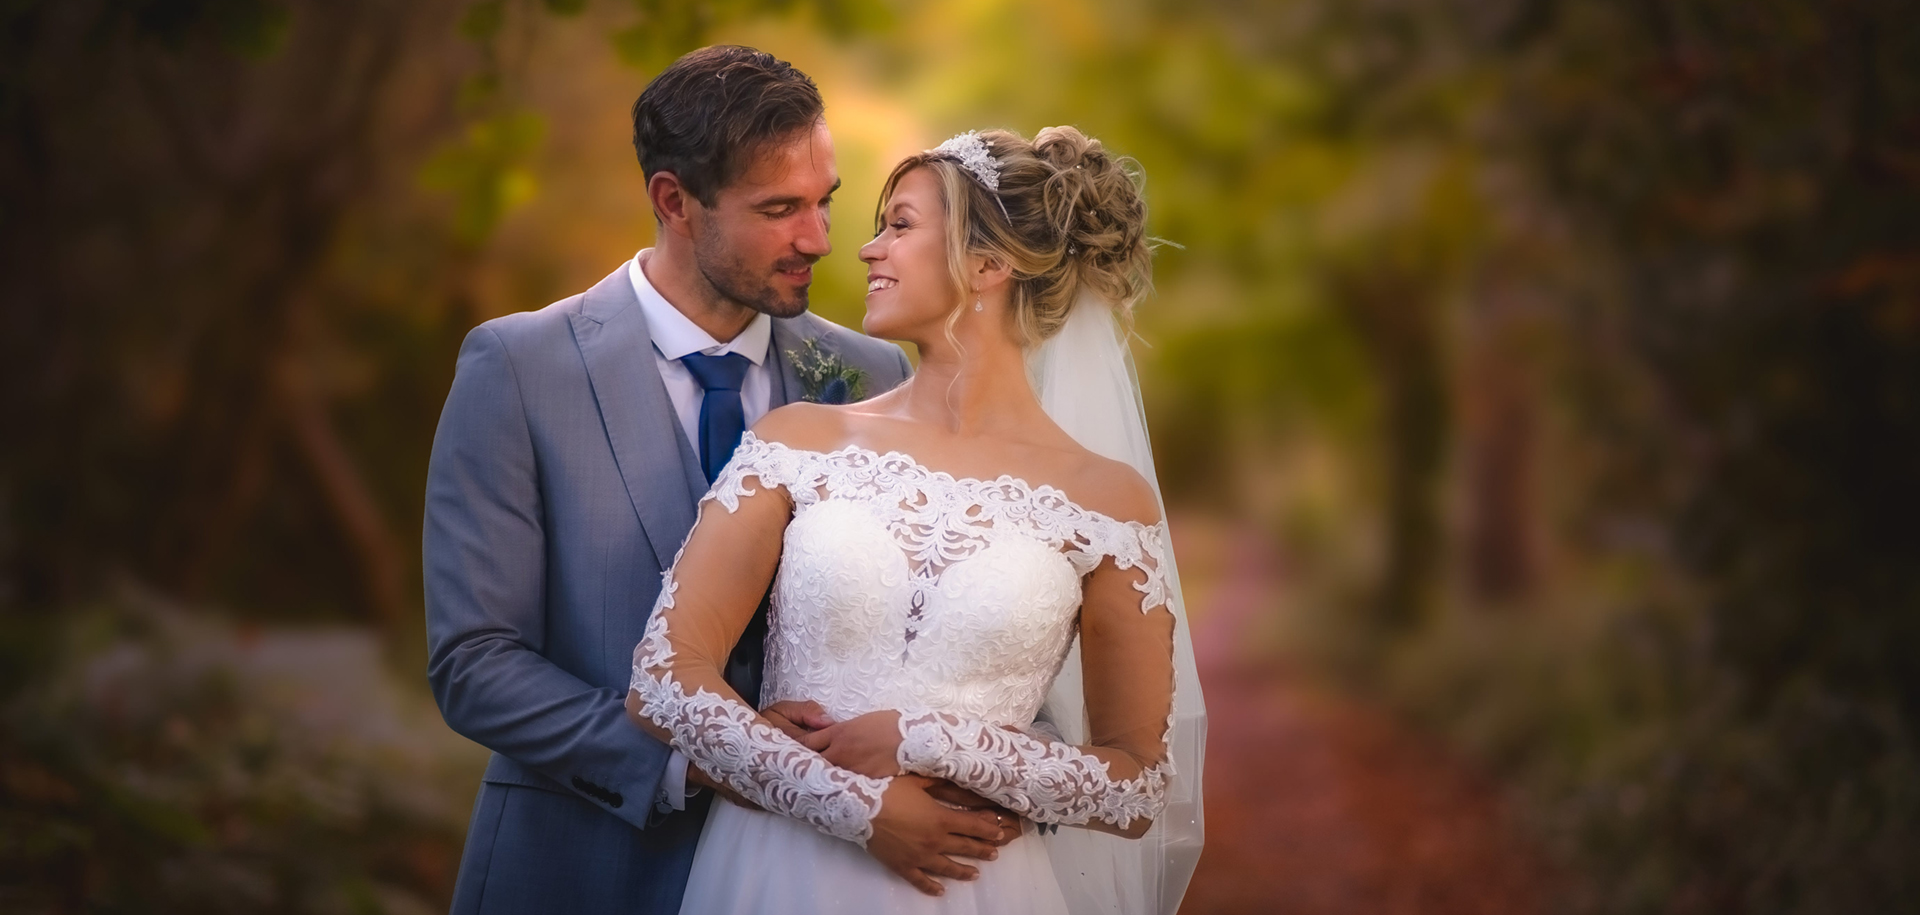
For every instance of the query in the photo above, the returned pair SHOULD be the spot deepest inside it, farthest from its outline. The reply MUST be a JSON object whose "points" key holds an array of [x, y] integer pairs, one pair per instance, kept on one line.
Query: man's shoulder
{"points": [[554, 323], [531, 328]]}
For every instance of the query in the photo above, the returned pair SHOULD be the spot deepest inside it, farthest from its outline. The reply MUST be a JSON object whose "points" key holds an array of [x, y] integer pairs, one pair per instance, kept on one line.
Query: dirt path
{"points": [[1319, 804]]}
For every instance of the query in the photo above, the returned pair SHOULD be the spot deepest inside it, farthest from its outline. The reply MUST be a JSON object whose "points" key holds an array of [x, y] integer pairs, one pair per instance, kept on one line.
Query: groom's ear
{"points": [[672, 204]]}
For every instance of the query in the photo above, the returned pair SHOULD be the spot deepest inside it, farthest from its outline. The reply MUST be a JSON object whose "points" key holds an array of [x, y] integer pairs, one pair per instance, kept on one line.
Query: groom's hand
{"points": [[918, 837]]}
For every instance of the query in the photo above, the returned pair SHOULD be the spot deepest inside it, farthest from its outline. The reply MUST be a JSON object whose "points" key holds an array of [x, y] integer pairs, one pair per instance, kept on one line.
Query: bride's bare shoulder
{"points": [[808, 426], [1115, 489]]}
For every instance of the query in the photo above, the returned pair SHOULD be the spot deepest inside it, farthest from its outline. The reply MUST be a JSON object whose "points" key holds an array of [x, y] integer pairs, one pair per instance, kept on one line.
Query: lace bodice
{"points": [[954, 600], [902, 587]]}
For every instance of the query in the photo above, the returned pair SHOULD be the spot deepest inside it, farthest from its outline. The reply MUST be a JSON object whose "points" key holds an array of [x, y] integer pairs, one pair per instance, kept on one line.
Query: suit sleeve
{"points": [[485, 571]]}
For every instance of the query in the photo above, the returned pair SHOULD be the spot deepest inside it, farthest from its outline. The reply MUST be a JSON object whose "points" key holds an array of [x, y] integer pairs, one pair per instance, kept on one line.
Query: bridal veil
{"points": [[1085, 378]]}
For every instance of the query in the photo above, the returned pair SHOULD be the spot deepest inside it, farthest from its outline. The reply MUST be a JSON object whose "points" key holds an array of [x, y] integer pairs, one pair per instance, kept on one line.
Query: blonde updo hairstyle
{"points": [[1073, 217]]}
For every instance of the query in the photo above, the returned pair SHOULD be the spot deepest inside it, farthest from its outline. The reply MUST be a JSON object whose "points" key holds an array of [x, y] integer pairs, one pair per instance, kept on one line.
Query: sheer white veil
{"points": [[1086, 381]]}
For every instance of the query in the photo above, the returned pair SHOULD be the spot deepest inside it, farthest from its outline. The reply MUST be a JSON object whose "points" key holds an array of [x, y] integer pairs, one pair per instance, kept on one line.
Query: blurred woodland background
{"points": [[1536, 384]]}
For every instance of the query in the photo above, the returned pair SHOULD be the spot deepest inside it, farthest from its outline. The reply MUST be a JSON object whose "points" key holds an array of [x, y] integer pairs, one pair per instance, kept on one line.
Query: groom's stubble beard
{"points": [[743, 283]]}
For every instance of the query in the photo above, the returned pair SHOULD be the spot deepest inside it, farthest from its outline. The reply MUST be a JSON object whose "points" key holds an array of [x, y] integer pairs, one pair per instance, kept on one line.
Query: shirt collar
{"points": [[675, 335]]}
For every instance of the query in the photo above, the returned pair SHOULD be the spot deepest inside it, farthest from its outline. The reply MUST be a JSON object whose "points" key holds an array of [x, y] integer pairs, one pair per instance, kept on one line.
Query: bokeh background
{"points": [[1536, 384]]}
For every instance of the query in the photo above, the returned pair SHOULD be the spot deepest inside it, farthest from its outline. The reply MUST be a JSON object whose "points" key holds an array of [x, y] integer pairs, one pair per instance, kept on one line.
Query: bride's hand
{"points": [[869, 744]]}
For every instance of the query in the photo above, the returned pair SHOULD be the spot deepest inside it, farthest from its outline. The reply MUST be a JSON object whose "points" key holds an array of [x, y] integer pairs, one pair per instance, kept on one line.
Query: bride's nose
{"points": [[873, 251]]}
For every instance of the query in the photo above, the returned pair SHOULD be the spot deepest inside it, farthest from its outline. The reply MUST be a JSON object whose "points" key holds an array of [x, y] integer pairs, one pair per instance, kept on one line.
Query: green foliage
{"points": [[483, 20], [487, 172], [162, 761], [662, 30], [825, 377]]}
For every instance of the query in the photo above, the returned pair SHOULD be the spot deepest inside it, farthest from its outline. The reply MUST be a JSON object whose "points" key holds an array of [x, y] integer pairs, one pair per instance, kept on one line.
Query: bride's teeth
{"points": [[879, 283]]}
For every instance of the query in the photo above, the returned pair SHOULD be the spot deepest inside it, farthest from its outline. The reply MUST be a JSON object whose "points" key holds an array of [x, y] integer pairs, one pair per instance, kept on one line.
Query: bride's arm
{"points": [[1117, 782], [679, 693]]}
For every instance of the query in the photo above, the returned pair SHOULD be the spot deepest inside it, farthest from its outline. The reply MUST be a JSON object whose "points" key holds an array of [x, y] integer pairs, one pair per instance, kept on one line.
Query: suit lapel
{"points": [[788, 335], [655, 460]]}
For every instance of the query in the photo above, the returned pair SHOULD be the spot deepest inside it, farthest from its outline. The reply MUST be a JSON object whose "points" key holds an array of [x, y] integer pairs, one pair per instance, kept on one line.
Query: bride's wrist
{"points": [[925, 740], [853, 816]]}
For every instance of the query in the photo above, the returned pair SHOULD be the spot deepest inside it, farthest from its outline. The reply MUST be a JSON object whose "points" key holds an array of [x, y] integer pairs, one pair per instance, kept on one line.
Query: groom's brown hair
{"points": [[707, 116]]}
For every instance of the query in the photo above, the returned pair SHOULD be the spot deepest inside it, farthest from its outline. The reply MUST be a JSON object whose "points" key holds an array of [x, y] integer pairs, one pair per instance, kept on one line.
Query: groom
{"points": [[573, 447]]}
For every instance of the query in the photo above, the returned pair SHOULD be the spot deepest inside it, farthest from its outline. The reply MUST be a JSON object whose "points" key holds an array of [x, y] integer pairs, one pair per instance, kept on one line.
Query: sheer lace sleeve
{"points": [[678, 690], [1120, 778]]}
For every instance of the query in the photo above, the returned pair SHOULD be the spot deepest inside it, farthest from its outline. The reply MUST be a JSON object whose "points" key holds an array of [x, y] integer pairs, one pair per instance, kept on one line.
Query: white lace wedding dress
{"points": [[953, 600]]}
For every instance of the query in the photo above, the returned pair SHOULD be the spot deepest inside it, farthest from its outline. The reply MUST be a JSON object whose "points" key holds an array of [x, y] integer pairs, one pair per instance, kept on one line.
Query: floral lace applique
{"points": [[1043, 780]]}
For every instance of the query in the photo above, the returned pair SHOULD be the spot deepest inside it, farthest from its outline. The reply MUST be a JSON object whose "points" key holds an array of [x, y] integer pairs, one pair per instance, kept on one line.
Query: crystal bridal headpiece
{"points": [[972, 154]]}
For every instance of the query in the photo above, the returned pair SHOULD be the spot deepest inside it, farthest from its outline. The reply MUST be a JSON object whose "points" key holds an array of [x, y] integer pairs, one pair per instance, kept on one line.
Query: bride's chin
{"points": [[877, 325]]}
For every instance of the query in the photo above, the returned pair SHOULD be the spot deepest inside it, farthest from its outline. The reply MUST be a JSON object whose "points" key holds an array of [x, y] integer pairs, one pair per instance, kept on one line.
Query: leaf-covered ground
{"points": [[1320, 803]]}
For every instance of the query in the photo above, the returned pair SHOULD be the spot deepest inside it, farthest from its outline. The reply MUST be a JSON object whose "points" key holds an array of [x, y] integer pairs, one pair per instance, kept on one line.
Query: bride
{"points": [[973, 576]]}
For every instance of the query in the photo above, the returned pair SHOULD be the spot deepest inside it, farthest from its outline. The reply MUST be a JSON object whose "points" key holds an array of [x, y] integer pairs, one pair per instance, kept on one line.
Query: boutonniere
{"points": [[825, 377]]}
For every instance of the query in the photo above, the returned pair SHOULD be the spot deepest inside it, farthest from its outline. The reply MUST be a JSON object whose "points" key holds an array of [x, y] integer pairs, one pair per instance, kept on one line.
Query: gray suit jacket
{"points": [[560, 487]]}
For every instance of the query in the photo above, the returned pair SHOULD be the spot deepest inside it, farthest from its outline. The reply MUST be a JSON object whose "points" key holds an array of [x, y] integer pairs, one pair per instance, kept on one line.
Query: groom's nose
{"points": [[811, 239]]}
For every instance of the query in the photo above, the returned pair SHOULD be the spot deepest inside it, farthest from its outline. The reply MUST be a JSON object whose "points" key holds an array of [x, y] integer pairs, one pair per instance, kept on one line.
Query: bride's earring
{"points": [[980, 304]]}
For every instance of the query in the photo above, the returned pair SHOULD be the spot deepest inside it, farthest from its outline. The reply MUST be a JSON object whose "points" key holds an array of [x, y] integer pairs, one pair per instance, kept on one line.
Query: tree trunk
{"points": [[351, 501]]}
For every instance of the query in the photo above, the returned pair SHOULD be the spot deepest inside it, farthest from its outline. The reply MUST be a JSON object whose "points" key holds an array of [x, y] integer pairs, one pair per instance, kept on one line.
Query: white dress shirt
{"points": [[675, 335]]}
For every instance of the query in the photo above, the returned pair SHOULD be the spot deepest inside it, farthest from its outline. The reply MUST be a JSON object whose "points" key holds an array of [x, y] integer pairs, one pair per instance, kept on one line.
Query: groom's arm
{"points": [[485, 554]]}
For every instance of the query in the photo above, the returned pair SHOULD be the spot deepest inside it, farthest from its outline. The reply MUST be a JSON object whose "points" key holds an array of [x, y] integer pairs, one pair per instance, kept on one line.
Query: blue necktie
{"points": [[722, 417]]}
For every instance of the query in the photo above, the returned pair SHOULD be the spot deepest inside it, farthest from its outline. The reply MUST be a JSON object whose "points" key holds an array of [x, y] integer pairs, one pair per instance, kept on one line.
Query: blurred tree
{"points": [[174, 177], [1748, 176], [1744, 180], [229, 312]]}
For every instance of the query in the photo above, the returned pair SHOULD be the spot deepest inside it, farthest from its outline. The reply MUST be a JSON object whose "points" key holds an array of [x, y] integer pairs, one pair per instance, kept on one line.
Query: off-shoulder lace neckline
{"points": [[1005, 479]]}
